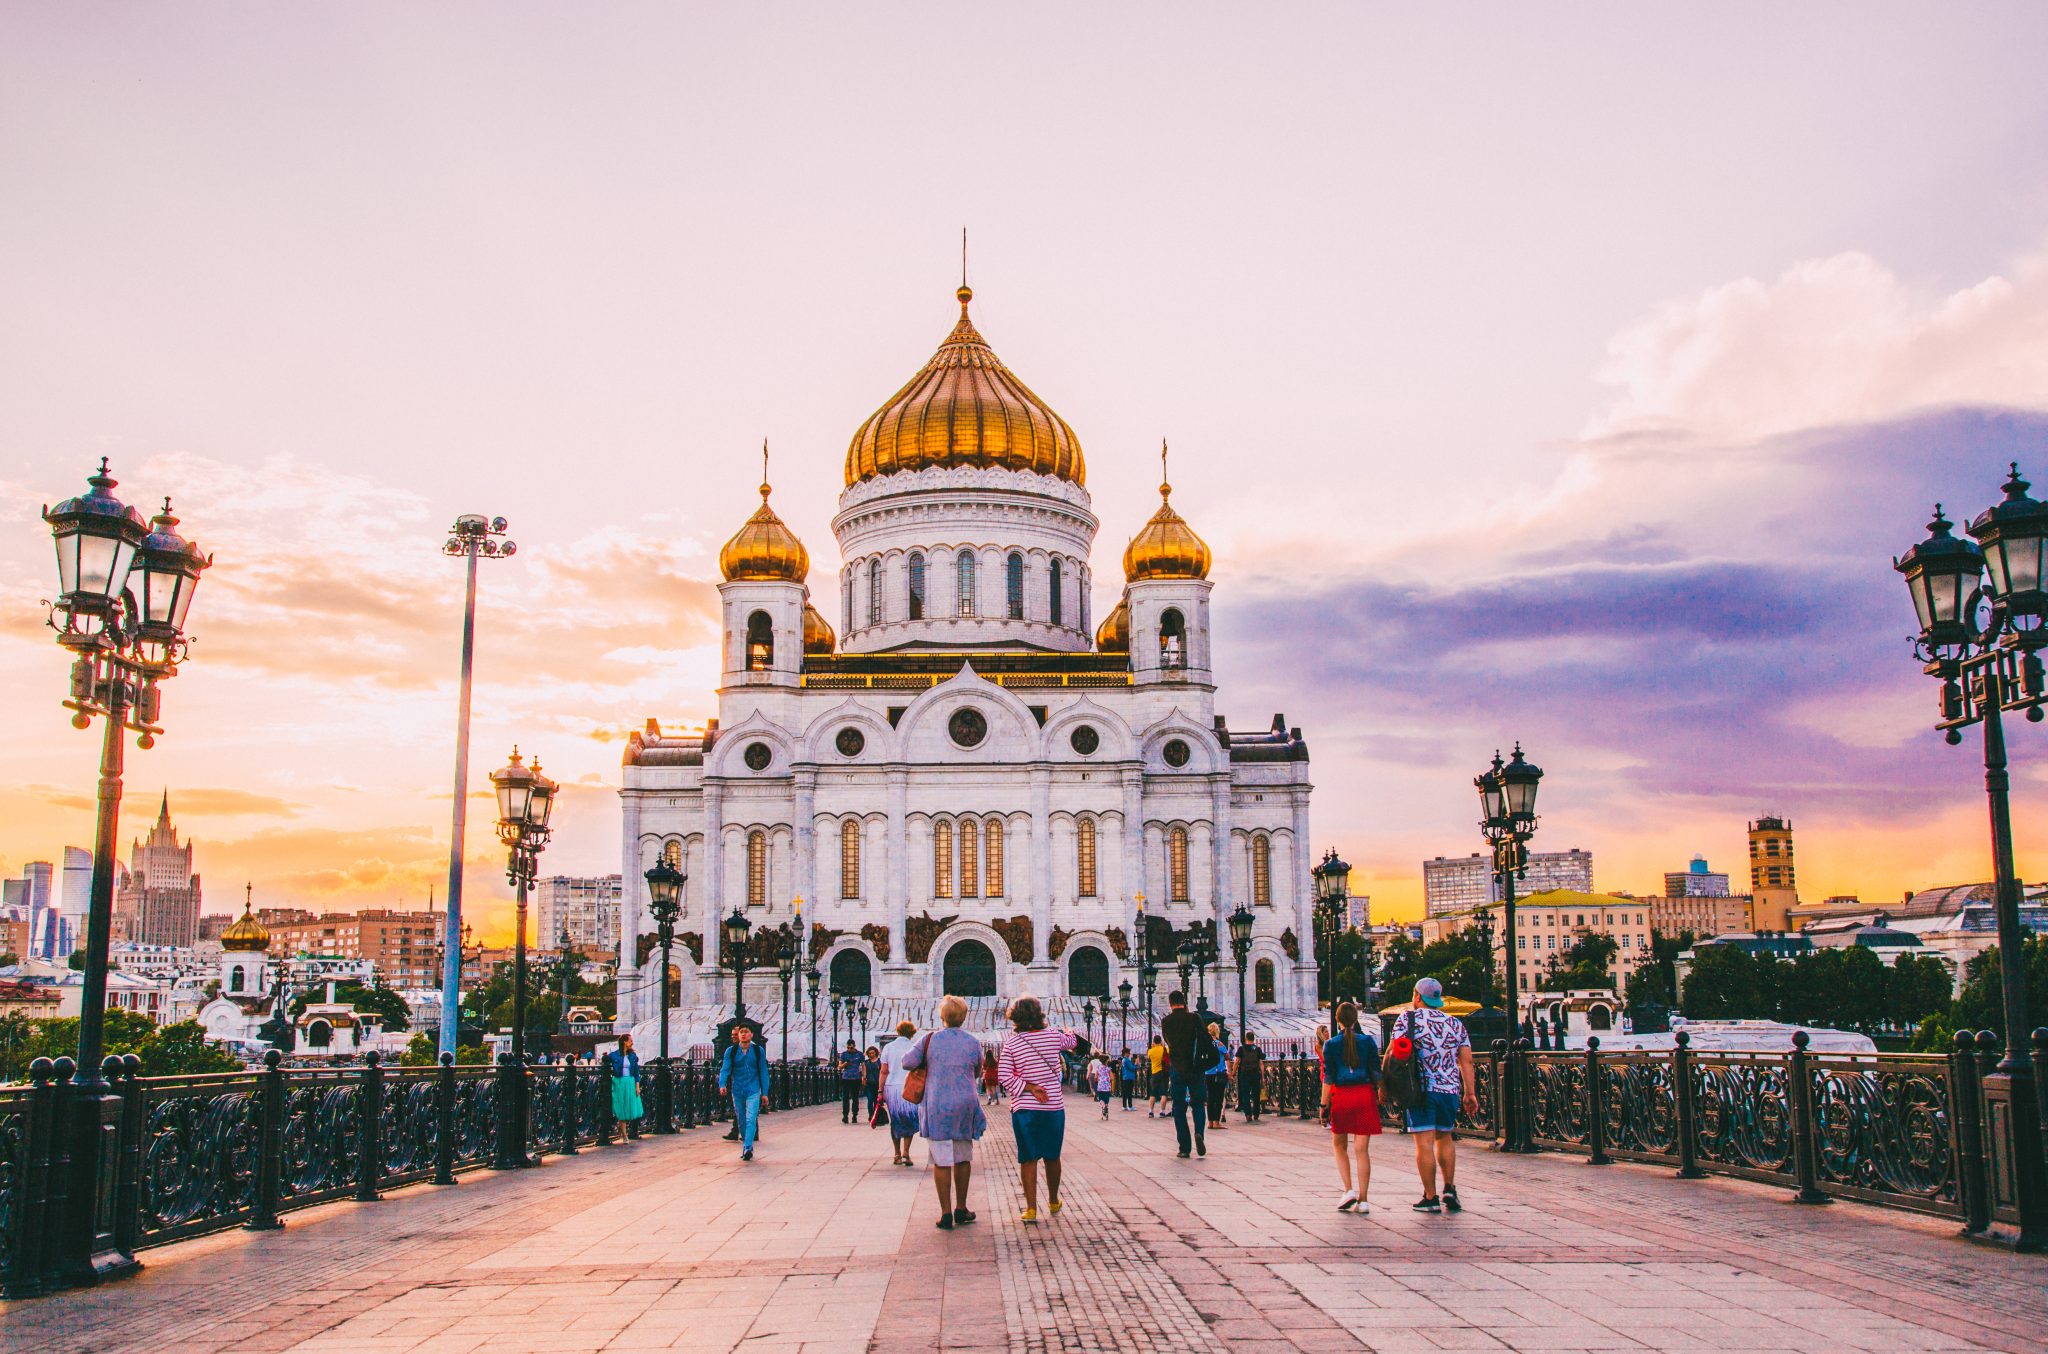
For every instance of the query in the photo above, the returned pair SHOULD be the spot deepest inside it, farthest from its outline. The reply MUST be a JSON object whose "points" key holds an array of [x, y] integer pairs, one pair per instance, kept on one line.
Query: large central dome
{"points": [[965, 408]]}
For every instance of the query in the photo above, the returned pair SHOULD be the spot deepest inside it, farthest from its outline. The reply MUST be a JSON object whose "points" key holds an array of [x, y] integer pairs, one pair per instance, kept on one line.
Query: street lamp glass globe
{"points": [[514, 784], [1123, 992], [540, 802], [1518, 782], [1490, 800], [2014, 537], [168, 568], [1241, 928], [97, 536], [737, 929]]}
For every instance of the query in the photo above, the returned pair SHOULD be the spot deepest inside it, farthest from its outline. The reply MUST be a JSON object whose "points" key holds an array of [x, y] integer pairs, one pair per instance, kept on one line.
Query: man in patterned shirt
{"points": [[1444, 1050]]}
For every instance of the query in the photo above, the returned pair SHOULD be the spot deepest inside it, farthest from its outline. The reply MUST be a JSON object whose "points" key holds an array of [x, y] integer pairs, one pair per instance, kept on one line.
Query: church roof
{"points": [[1166, 546], [764, 550], [965, 408]]}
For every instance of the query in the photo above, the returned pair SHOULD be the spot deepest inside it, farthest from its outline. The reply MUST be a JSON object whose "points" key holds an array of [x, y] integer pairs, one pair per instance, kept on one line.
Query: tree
{"points": [[1647, 990], [77, 961], [379, 1000], [1981, 1003], [1586, 962], [181, 1050], [1401, 965], [1726, 983], [1918, 988], [172, 1050]]}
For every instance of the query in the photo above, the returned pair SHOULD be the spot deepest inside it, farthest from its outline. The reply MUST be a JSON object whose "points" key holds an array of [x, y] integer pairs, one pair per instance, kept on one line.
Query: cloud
{"points": [[219, 802], [1834, 340]]}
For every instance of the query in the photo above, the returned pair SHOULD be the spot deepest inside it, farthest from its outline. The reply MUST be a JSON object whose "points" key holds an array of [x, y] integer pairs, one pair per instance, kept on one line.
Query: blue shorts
{"points": [[1438, 1113], [1039, 1133]]}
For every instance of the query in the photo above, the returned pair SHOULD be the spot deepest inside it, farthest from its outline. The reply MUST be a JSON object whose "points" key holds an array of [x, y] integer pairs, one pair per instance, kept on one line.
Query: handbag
{"points": [[913, 1080]]}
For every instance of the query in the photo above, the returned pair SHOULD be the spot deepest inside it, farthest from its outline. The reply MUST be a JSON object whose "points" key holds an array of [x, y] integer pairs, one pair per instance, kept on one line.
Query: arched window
{"points": [[1262, 982], [969, 970], [1015, 581], [1084, 857], [1262, 869], [849, 858], [915, 593], [874, 592], [1088, 973], [1173, 639], [963, 570], [970, 877], [760, 642], [942, 859], [992, 856], [846, 604], [235, 979], [672, 853], [1057, 609], [1177, 864], [757, 868], [852, 975], [1081, 586], [319, 1034]]}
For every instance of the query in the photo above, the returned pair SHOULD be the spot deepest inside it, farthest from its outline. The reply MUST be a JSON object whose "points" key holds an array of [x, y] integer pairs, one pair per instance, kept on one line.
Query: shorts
{"points": [[1102, 1097], [1040, 1134], [1438, 1113], [957, 1152]]}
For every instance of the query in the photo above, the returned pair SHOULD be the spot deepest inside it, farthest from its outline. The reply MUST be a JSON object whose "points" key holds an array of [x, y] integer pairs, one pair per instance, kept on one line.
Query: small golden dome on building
{"points": [[965, 408], [245, 934], [818, 636], [1166, 546], [764, 550], [1114, 634]]}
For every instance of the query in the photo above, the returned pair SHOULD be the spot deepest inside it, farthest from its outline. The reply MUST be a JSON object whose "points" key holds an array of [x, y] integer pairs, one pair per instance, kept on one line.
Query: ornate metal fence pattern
{"points": [[201, 1136], [1883, 1130]]}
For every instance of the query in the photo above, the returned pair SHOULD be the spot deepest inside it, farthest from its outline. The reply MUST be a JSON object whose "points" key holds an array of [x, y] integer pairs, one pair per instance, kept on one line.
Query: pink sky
{"points": [[1659, 329]]}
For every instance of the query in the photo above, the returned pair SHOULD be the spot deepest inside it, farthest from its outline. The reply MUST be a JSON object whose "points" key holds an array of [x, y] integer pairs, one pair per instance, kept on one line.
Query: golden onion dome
{"points": [[818, 636], [764, 550], [245, 934], [964, 408], [1166, 546], [1114, 634]]}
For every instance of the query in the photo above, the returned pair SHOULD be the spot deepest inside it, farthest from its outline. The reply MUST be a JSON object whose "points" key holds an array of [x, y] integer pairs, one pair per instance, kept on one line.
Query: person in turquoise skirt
{"points": [[624, 1065]]}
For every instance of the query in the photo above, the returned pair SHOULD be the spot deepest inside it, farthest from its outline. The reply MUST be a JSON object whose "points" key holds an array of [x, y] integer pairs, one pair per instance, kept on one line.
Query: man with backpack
{"points": [[1427, 1074], [1189, 1053]]}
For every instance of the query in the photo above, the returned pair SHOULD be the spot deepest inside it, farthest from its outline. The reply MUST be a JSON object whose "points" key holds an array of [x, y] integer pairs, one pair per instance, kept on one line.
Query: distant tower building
{"points": [[74, 900], [1695, 881], [35, 898], [1460, 883], [158, 903], [1771, 881]]}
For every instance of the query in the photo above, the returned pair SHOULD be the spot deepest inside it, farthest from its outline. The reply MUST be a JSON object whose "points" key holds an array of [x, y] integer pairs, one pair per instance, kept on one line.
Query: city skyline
{"points": [[1618, 473]]}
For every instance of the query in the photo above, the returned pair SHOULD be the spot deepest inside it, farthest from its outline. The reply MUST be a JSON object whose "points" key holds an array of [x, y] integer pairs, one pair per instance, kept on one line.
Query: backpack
{"points": [[1402, 1081]]}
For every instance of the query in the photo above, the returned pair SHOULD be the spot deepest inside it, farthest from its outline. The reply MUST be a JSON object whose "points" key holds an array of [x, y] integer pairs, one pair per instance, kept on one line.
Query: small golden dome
{"points": [[764, 550], [818, 636], [965, 408], [245, 934], [1166, 546], [1114, 634]]}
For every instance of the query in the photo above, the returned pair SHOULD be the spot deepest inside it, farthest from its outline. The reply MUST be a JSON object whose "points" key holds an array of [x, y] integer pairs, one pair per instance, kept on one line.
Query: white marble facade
{"points": [[834, 775]]}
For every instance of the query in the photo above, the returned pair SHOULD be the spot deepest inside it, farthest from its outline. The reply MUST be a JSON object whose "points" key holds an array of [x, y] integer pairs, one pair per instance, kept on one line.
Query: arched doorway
{"points": [[1088, 973], [970, 970], [852, 975], [1598, 1017]]}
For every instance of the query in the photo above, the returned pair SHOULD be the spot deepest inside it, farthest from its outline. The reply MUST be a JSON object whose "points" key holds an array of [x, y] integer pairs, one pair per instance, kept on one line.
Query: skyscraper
{"points": [[158, 902]]}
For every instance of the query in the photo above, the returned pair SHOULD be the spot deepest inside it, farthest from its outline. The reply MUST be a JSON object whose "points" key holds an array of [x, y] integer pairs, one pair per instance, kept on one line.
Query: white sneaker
{"points": [[1362, 1209], [1348, 1202]]}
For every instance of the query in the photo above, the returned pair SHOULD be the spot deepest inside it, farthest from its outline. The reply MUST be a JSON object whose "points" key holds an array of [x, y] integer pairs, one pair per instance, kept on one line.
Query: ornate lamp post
{"points": [[738, 931], [863, 1024], [1241, 950], [812, 977], [1982, 641], [123, 590], [1507, 804], [470, 539], [785, 969], [665, 903], [1184, 962], [1088, 1018], [1205, 958], [526, 800], [1123, 1014], [1333, 892], [837, 1000], [566, 941]]}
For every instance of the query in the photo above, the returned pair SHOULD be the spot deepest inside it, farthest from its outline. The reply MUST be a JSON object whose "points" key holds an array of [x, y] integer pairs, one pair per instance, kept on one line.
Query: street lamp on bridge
{"points": [[738, 931], [1241, 950], [1982, 642], [1507, 803], [1123, 1015], [664, 902], [526, 801], [1333, 893], [811, 977]]}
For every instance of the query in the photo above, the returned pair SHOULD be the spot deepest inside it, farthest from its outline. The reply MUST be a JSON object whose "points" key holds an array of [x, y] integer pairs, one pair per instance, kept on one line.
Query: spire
{"points": [[1165, 483], [163, 814]]}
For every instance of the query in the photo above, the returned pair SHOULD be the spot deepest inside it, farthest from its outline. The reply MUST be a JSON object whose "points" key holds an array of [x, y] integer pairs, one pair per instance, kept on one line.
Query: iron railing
{"points": [[200, 1154]]}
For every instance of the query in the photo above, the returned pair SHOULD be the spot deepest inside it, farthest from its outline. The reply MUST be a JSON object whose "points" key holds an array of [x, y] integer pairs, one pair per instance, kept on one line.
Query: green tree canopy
{"points": [[1585, 963], [1981, 1004]]}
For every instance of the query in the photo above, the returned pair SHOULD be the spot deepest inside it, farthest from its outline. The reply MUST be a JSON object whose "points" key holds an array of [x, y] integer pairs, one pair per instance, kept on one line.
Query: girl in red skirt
{"points": [[1351, 1102]]}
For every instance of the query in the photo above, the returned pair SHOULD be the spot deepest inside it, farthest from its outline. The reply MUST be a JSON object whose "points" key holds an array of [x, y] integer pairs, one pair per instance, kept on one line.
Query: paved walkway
{"points": [[820, 1246]]}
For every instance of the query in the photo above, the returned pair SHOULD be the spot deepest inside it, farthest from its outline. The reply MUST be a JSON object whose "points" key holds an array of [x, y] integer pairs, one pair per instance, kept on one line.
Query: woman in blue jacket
{"points": [[1351, 1100], [743, 1075], [624, 1065]]}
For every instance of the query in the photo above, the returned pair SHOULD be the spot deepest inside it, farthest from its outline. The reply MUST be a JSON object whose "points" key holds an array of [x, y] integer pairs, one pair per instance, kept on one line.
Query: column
{"points": [[1134, 851], [896, 863], [1221, 901], [1041, 862], [710, 890], [804, 869], [1304, 906], [631, 901]]}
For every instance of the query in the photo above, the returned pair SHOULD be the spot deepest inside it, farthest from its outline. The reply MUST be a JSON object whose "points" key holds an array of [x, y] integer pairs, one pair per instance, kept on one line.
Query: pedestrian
{"points": [[624, 1065], [743, 1075], [1127, 1078], [852, 1068], [1218, 1074], [1443, 1052], [950, 1116], [895, 1075], [871, 1083], [1351, 1105], [1322, 1039], [1187, 1058], [1105, 1082], [1029, 1070], [1251, 1066], [991, 1085], [1156, 1081]]}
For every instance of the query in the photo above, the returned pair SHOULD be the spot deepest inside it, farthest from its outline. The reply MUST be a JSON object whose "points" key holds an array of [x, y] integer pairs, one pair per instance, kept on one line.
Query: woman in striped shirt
{"points": [[1029, 1069]]}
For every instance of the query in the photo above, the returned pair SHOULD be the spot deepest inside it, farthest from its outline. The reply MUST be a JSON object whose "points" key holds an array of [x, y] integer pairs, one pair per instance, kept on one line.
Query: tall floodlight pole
{"points": [[472, 537]]}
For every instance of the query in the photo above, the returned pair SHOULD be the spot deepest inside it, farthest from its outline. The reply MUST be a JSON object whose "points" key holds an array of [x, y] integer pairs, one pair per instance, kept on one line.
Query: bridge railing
{"points": [[200, 1154]]}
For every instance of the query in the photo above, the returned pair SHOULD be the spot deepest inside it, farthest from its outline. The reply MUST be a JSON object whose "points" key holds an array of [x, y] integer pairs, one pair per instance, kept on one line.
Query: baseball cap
{"points": [[1431, 991]]}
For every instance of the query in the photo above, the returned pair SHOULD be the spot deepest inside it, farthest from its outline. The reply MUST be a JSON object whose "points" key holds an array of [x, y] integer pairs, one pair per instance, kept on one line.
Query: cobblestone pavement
{"points": [[821, 1245]]}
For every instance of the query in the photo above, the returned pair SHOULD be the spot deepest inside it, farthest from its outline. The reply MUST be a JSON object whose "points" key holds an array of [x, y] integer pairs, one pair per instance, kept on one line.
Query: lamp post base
{"points": [[2012, 1137], [91, 1251]]}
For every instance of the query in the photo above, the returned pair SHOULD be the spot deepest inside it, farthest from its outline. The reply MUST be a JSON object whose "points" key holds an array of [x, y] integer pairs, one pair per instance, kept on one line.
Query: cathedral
{"points": [[968, 786]]}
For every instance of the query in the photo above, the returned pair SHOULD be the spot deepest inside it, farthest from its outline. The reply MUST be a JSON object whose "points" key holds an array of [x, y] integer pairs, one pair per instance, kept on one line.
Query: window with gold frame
{"points": [[757, 868], [1177, 864], [942, 859], [1262, 869], [1084, 857], [849, 858], [970, 876], [992, 856]]}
